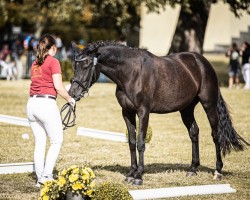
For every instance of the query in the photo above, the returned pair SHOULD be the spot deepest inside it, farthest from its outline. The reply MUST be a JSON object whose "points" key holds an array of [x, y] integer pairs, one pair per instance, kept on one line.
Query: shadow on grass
{"points": [[155, 168]]}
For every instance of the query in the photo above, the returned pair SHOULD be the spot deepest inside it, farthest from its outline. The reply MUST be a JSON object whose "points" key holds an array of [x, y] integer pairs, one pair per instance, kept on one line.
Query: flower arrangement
{"points": [[50, 191], [77, 180]]}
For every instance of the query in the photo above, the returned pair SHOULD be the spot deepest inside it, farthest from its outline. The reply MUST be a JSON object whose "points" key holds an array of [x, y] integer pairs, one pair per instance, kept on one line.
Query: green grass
{"points": [[167, 156]]}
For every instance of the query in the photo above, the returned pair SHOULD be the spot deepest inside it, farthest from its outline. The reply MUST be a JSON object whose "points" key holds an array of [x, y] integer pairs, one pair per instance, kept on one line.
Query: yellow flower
{"points": [[73, 177], [61, 181], [46, 197], [92, 175], [76, 170], [44, 191], [47, 183], [92, 184], [63, 173], [89, 192], [85, 174], [77, 186]]}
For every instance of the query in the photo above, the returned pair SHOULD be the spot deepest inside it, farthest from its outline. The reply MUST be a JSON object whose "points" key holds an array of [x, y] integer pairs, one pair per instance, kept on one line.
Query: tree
{"points": [[38, 15], [192, 22], [119, 18], [124, 17]]}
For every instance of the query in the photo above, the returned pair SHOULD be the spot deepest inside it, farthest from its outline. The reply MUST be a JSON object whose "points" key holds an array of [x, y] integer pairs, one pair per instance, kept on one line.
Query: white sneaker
{"points": [[44, 179], [38, 185]]}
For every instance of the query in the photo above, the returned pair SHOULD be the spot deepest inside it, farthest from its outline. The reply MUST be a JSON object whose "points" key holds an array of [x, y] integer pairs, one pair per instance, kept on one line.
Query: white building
{"points": [[157, 29]]}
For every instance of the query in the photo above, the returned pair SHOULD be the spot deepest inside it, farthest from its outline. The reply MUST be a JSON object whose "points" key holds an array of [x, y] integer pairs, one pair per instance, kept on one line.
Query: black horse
{"points": [[150, 84]]}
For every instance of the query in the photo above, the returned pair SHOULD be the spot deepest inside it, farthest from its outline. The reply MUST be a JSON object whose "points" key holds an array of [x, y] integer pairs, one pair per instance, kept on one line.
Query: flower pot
{"points": [[73, 196]]}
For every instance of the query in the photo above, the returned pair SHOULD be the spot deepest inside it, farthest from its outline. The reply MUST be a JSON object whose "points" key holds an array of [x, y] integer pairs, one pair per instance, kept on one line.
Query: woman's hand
{"points": [[67, 87], [72, 102]]}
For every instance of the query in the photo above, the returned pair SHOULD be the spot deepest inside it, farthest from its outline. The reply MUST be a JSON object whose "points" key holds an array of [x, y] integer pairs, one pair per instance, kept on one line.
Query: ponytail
{"points": [[44, 44]]}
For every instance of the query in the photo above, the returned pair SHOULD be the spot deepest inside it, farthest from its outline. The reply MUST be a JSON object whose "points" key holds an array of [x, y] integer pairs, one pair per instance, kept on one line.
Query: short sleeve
{"points": [[56, 67]]}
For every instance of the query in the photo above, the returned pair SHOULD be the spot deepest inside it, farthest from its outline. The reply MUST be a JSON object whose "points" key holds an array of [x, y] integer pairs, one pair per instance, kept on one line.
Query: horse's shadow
{"points": [[153, 168], [156, 168]]}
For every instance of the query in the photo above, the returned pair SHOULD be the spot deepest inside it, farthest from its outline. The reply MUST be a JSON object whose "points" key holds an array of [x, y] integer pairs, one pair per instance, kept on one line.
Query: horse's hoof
{"points": [[217, 175], [189, 174], [138, 181], [129, 179]]}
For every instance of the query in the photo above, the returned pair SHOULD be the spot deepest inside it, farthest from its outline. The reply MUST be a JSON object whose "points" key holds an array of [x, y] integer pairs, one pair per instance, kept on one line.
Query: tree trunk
{"points": [[191, 27], [41, 19], [39, 29]]}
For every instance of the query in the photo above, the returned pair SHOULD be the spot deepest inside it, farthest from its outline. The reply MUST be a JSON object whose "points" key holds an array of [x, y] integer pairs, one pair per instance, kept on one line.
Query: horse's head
{"points": [[85, 72]]}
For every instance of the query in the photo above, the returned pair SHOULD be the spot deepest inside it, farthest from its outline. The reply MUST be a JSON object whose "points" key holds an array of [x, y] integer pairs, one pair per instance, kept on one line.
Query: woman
{"points": [[234, 66], [42, 110], [245, 53]]}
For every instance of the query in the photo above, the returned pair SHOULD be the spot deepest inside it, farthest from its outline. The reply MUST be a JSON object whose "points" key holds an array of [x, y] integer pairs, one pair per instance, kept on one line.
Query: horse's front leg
{"points": [[143, 115], [129, 118]]}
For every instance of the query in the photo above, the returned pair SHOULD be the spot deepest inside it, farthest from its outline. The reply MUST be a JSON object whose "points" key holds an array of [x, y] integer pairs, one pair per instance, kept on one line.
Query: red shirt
{"points": [[41, 76]]}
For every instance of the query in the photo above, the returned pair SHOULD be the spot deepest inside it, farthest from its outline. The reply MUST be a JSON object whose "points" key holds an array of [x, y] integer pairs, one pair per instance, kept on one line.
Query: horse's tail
{"points": [[228, 138]]}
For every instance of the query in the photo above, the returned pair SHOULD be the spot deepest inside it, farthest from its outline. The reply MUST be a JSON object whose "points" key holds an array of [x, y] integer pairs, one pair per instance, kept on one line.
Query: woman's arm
{"points": [[60, 89]]}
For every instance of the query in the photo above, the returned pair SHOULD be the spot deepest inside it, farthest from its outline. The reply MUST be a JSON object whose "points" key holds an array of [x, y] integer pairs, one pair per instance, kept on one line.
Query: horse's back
{"points": [[180, 78]]}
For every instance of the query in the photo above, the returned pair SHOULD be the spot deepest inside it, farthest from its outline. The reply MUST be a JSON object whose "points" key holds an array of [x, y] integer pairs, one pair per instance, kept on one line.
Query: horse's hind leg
{"points": [[188, 119], [210, 108]]}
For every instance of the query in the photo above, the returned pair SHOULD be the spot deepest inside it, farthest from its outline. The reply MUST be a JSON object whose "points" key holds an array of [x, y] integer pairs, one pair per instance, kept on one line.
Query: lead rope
{"points": [[69, 119]]}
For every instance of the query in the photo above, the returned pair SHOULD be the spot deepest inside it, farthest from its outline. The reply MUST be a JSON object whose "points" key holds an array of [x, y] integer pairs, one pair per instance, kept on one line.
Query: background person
{"points": [[42, 110], [11, 70], [5, 53], [31, 54], [234, 66], [245, 53], [17, 53], [7, 63]]}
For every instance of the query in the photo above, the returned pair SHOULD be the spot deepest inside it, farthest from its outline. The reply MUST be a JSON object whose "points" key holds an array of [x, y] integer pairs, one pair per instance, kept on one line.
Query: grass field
{"points": [[167, 156]]}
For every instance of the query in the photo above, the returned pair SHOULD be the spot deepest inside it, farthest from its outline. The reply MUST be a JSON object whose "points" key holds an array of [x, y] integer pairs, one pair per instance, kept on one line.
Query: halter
{"points": [[92, 75], [71, 110]]}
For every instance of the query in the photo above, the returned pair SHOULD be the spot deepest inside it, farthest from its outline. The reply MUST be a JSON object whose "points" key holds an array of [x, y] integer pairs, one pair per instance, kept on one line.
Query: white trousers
{"points": [[246, 75], [45, 120]]}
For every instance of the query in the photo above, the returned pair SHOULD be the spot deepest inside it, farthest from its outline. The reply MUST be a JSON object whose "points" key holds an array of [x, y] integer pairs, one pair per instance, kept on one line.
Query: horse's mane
{"points": [[92, 47], [96, 45]]}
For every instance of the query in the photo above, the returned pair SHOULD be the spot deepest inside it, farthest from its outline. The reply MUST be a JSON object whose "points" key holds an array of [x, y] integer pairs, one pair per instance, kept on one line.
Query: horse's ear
{"points": [[75, 47]]}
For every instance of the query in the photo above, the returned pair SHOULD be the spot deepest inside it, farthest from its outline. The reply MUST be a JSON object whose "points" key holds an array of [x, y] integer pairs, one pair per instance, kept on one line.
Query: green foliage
{"points": [[111, 191], [67, 70], [148, 134], [101, 34]]}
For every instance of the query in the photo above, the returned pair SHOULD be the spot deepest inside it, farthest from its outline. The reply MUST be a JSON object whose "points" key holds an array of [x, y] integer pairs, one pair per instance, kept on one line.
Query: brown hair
{"points": [[44, 44]]}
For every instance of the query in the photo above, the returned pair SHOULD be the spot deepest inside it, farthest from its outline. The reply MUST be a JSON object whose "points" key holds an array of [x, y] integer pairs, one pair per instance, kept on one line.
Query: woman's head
{"points": [[234, 46], [246, 45], [46, 45]]}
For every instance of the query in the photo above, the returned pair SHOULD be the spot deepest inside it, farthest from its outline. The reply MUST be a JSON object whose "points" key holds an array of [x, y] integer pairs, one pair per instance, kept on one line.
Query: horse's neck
{"points": [[116, 68], [112, 73]]}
